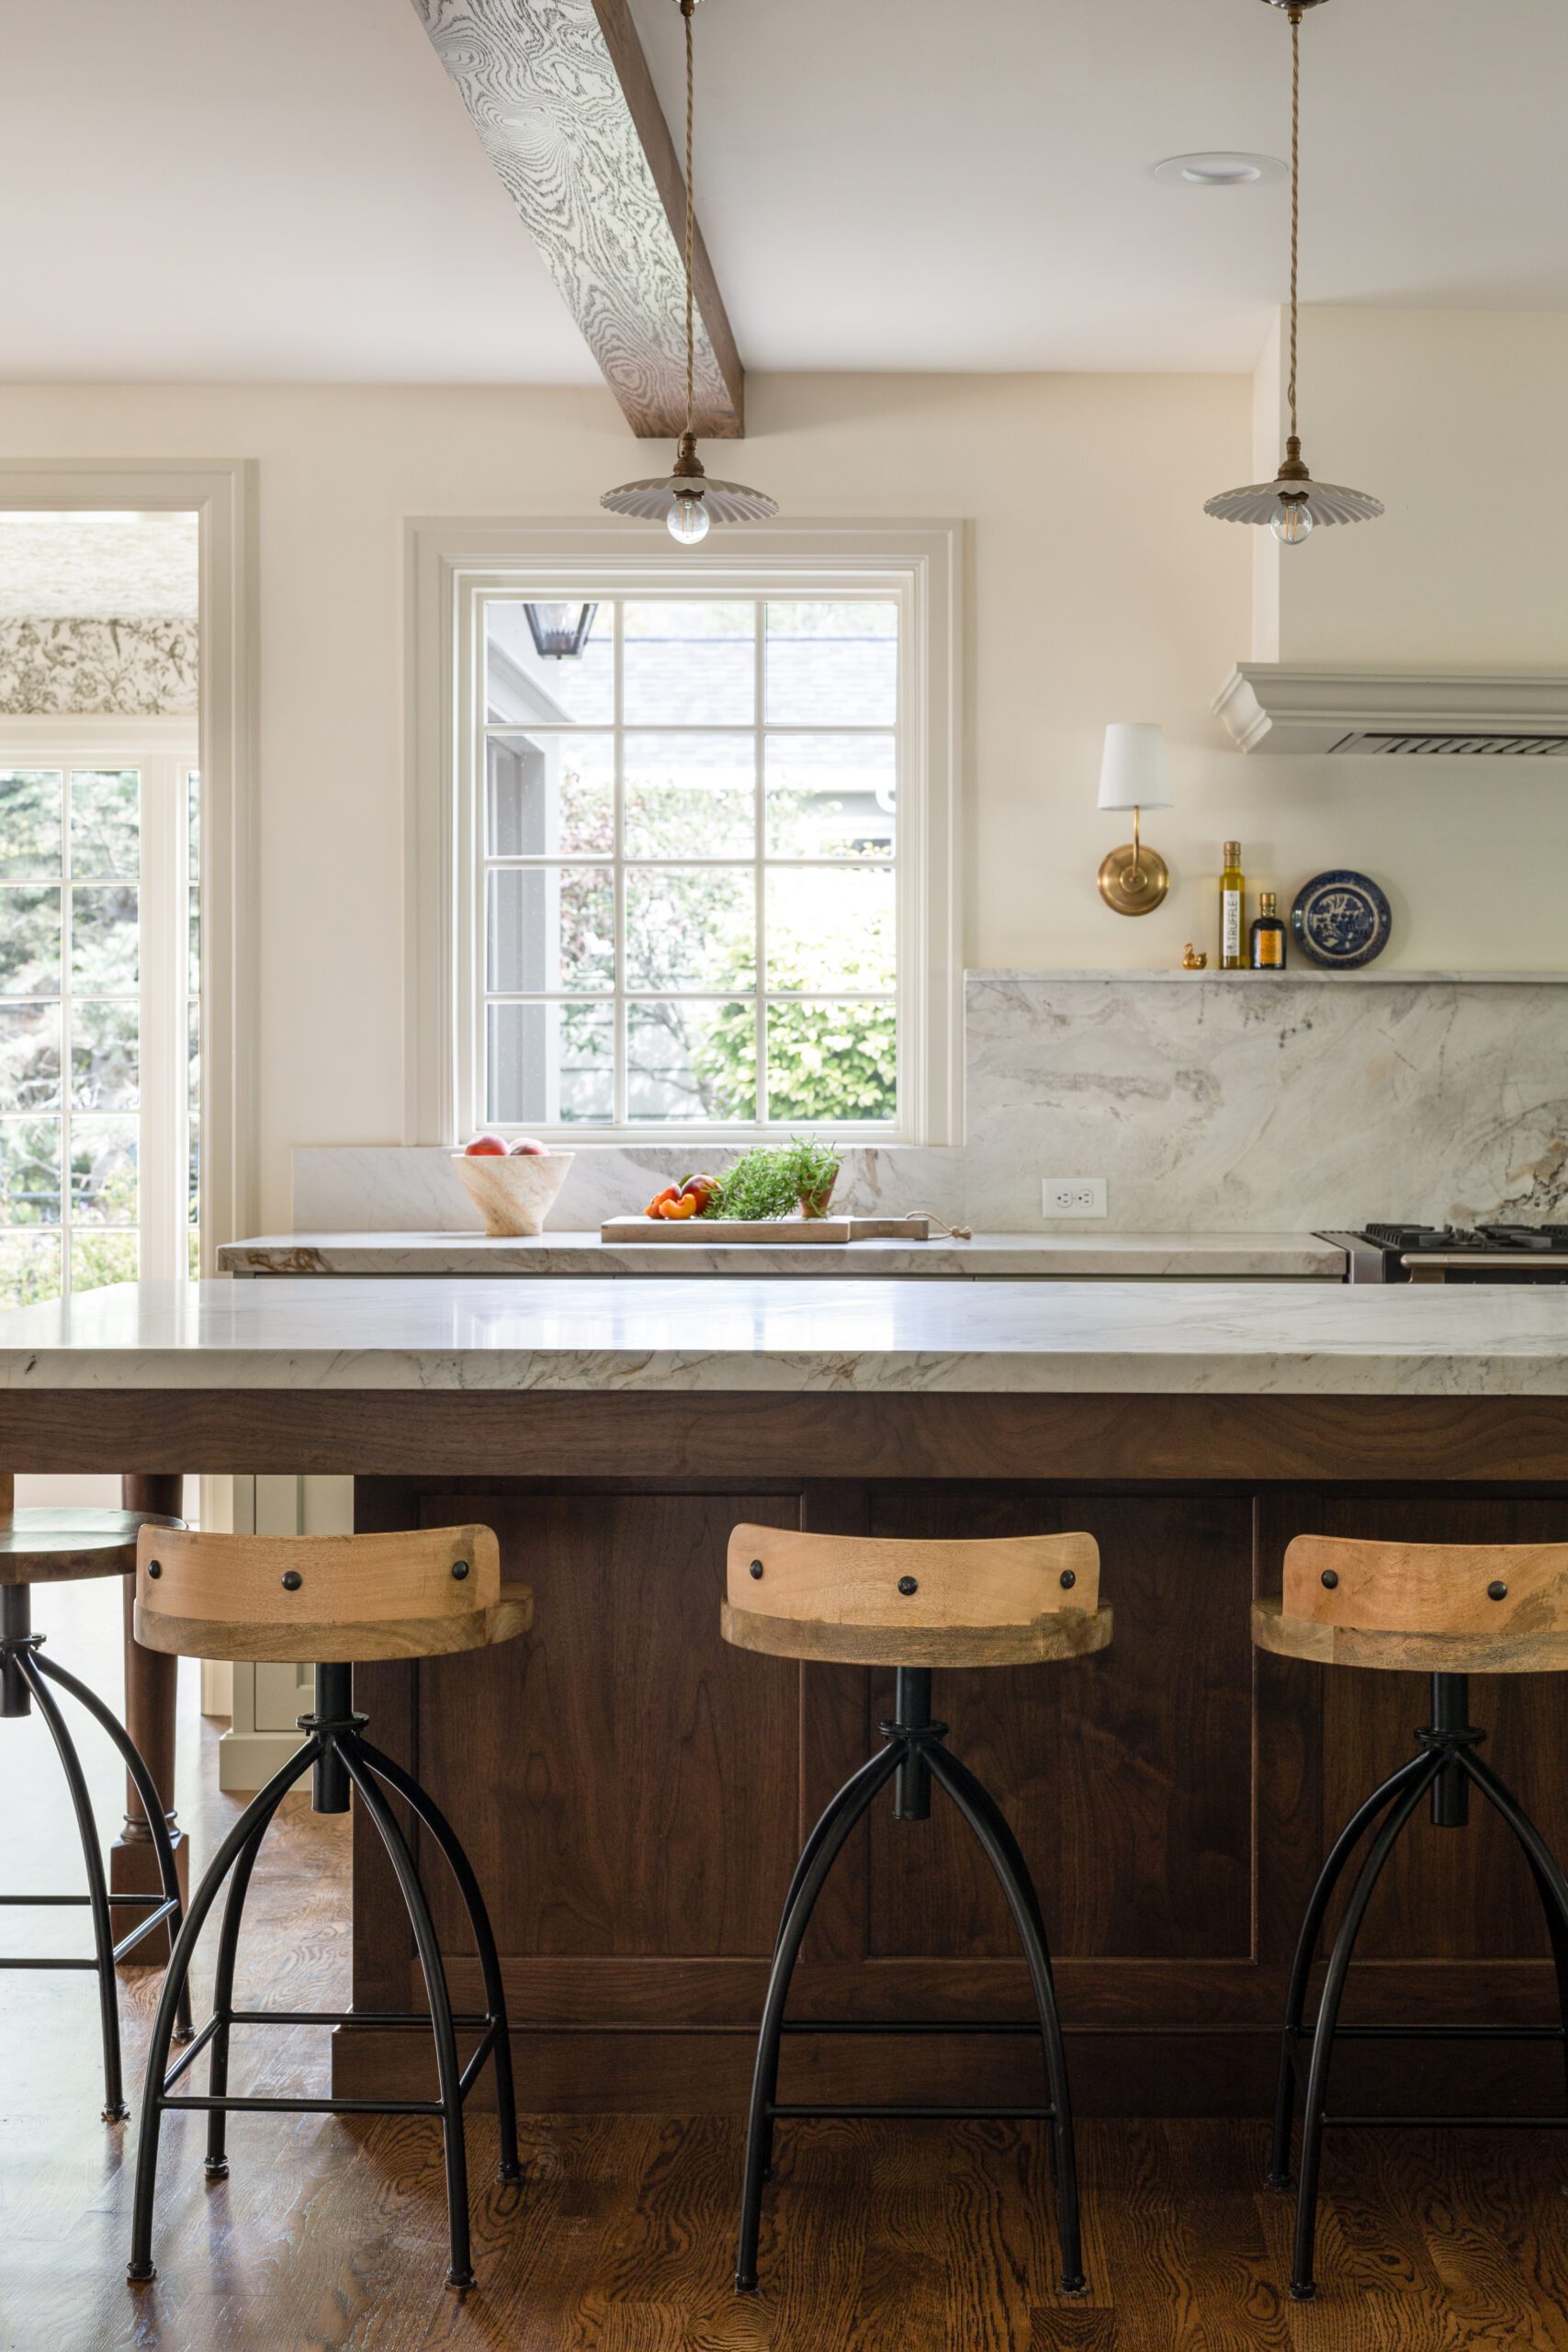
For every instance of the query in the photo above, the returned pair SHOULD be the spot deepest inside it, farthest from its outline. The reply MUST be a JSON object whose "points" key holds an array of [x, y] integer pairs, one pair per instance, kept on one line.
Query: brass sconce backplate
{"points": [[1133, 880]]}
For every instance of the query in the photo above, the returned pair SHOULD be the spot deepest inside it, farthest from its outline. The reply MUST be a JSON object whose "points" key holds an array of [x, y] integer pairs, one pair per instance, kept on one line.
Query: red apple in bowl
{"points": [[485, 1144], [528, 1149]]}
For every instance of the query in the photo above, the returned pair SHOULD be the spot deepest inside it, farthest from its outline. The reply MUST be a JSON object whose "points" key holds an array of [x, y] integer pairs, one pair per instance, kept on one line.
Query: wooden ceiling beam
{"points": [[560, 94]]}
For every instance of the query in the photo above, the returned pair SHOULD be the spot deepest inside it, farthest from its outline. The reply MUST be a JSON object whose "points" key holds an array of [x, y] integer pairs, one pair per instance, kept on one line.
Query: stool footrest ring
{"points": [[920, 2110]]}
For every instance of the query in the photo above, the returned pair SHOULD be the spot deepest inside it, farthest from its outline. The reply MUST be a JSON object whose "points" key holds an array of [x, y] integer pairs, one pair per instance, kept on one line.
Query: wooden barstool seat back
{"points": [[1422, 1608], [869, 1600], [342, 1600], [913, 1606], [61, 1546], [50, 1547], [1449, 1610], [349, 1598]]}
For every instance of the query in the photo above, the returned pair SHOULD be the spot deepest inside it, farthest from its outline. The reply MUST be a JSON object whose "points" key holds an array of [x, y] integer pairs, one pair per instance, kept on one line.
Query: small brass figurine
{"points": [[1193, 960]]}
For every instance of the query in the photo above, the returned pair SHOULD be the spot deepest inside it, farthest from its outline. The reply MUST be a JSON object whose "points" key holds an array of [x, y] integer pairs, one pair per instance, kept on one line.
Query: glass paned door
{"points": [[93, 1037]]}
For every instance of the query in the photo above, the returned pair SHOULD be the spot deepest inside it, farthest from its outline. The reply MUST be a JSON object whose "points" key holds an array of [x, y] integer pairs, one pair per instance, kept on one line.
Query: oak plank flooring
{"points": [[329, 2235]]}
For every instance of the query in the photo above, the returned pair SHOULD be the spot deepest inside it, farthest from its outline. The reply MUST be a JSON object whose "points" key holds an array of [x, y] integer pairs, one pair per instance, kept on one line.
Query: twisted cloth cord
{"points": [[1295, 190], [687, 10]]}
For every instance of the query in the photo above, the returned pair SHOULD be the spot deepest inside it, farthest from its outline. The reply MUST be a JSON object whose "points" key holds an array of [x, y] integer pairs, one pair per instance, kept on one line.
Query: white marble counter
{"points": [[1088, 1249], [728, 1334]]}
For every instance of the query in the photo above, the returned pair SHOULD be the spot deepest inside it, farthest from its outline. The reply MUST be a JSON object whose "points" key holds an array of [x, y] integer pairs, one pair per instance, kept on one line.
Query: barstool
{"points": [[60, 1547], [913, 1606], [341, 1599], [1450, 1610]]}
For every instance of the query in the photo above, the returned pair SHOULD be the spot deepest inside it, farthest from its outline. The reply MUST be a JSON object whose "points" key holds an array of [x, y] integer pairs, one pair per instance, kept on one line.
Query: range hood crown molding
{"points": [[1280, 706]]}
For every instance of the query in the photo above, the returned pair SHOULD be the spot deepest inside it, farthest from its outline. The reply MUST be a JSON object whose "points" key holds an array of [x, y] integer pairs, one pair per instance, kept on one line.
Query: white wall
{"points": [[1100, 590], [1454, 419]]}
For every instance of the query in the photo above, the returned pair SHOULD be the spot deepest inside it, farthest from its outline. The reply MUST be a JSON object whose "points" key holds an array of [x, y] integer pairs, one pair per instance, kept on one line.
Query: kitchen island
{"points": [[634, 1792]]}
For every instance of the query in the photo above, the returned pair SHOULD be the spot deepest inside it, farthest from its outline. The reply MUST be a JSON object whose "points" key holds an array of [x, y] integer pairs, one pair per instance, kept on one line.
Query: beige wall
{"points": [[1098, 591], [1454, 419]]}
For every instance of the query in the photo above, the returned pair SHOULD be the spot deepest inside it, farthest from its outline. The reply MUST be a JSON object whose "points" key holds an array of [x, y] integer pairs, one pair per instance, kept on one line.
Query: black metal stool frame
{"points": [[1449, 1767], [24, 1677], [340, 1757], [914, 1753]]}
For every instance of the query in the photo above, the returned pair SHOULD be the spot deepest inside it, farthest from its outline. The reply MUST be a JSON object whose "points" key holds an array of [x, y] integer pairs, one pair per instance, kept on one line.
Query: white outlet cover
{"points": [[1073, 1197]]}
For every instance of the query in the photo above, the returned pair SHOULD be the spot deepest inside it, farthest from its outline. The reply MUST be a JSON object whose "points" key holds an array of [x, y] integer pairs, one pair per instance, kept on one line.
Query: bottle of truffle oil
{"points": [[1233, 923], [1268, 936]]}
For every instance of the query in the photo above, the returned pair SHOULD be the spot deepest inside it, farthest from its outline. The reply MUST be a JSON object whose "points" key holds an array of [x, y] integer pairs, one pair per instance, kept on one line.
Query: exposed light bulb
{"points": [[1292, 524], [687, 520]]}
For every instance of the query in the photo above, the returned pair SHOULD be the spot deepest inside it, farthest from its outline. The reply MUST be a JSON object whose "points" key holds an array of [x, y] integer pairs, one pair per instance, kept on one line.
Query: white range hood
{"points": [[1278, 706]]}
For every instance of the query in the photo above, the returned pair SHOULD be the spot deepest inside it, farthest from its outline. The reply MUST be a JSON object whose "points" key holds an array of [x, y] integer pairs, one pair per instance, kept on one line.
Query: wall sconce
{"points": [[1134, 774]]}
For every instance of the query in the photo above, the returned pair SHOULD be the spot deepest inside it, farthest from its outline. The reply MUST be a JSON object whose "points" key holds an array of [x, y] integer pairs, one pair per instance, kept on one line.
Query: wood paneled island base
{"points": [[634, 1792]]}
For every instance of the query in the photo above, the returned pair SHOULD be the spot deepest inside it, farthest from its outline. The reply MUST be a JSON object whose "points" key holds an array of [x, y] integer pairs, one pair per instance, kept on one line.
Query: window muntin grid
{"points": [[99, 1017], [706, 876], [70, 987]]}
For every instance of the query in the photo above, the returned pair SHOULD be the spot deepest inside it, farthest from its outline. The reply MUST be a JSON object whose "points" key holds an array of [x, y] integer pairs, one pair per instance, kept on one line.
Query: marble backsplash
{"points": [[1235, 1101], [356, 1189], [1219, 1102]]}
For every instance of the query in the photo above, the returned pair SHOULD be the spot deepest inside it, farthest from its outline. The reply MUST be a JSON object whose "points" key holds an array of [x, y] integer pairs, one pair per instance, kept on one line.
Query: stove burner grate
{"points": [[1486, 1240]]}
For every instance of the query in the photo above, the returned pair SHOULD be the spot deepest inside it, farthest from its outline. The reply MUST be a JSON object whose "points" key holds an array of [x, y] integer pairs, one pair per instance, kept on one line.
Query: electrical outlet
{"points": [[1073, 1196]]}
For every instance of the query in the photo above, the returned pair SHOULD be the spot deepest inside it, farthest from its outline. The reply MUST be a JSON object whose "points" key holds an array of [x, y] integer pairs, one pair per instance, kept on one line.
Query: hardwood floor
{"points": [[329, 2235]]}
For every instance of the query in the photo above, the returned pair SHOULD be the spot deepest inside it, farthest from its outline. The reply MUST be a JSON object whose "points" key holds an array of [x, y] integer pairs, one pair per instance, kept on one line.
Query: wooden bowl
{"points": [[514, 1195]]}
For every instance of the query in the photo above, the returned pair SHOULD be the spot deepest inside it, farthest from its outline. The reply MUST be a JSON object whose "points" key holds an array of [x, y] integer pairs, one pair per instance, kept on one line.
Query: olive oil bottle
{"points": [[1233, 914], [1268, 936]]}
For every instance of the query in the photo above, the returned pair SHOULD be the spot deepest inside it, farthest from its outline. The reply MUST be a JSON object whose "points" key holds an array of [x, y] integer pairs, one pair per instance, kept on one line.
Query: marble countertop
{"points": [[1088, 1250], [730, 1334]]}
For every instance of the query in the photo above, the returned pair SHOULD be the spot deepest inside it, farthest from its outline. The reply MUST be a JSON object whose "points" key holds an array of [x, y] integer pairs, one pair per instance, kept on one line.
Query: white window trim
{"points": [[451, 565], [221, 493]]}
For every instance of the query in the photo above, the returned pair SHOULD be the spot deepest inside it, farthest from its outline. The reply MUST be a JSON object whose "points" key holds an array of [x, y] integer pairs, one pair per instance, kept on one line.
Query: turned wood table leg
{"points": [[150, 1680]]}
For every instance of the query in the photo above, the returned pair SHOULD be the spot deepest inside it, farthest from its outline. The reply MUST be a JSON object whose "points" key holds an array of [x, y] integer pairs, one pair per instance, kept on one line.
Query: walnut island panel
{"points": [[635, 1793]]}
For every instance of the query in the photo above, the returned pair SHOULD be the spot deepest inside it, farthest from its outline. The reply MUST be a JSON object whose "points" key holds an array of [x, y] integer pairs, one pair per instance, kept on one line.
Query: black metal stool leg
{"points": [[16, 1627], [449, 2073], [260, 1810], [1329, 1879], [821, 1830], [1550, 1884], [152, 1804], [1557, 1930], [1303, 2285], [223, 1994], [425, 1807], [1005, 1857], [115, 2107], [845, 1810]]}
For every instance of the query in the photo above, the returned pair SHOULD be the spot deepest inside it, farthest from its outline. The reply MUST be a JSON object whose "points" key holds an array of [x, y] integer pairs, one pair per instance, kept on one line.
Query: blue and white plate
{"points": [[1340, 921]]}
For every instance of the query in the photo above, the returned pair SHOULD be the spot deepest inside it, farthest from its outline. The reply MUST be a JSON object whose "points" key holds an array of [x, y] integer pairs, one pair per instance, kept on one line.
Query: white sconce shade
{"points": [[1134, 773]]}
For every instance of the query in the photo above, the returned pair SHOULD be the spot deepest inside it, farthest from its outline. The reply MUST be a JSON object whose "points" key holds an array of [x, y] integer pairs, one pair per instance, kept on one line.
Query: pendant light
{"points": [[686, 499], [1293, 504]]}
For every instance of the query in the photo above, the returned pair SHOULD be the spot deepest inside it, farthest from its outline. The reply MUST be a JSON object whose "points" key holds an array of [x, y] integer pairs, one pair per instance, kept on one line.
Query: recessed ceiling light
{"points": [[1220, 170]]}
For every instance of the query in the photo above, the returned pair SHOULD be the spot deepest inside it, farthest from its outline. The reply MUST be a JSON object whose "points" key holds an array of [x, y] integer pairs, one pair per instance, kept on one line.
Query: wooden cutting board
{"points": [[779, 1229]]}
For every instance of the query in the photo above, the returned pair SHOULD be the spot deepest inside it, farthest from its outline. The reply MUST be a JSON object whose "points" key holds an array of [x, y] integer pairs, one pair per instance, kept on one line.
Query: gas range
{"points": [[1455, 1253]]}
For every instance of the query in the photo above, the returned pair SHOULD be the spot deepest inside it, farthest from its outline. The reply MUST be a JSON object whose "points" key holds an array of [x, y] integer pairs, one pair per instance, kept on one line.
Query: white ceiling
{"points": [[284, 190], [256, 191]]}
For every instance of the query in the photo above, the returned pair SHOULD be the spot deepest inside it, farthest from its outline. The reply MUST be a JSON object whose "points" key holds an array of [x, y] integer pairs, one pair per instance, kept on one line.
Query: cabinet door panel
{"points": [[1449, 1893], [641, 1777], [1125, 1775]]}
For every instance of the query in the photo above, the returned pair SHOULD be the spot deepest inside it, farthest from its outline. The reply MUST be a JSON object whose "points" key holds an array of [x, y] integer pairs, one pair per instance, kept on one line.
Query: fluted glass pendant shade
{"points": [[1293, 504], [685, 500], [655, 499]]}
